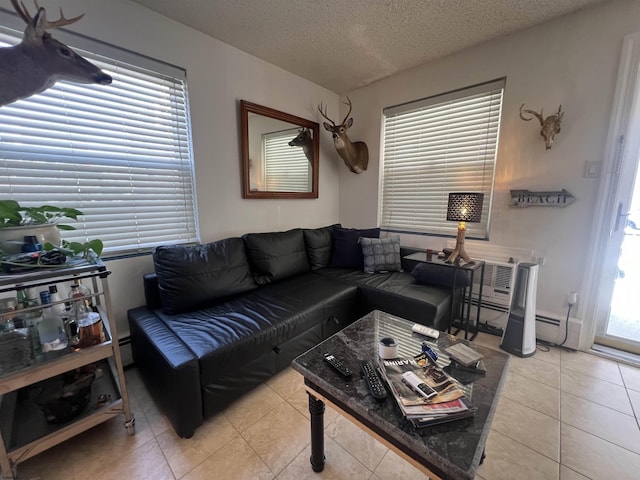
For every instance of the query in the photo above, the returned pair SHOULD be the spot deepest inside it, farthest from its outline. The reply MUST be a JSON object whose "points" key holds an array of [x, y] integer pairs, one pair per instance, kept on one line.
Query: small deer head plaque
{"points": [[550, 125]]}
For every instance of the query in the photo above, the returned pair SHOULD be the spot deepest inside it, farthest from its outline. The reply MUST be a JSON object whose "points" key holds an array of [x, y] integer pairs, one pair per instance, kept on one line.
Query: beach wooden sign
{"points": [[527, 198]]}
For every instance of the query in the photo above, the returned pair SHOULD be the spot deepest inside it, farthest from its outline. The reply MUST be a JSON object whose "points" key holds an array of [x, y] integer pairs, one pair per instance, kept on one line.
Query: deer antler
{"points": [[324, 114], [24, 14], [348, 102], [535, 114]]}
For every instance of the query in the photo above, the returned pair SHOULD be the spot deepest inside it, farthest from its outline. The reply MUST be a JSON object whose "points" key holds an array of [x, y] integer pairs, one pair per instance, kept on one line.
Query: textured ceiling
{"points": [[345, 44]]}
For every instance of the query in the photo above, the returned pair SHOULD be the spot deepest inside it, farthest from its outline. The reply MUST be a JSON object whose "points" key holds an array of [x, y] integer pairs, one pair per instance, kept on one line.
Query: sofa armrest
{"points": [[169, 369], [151, 291]]}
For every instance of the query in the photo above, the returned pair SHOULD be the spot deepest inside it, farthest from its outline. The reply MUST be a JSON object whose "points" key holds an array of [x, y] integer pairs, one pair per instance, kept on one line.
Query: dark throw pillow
{"points": [[319, 242], [276, 255], [347, 252], [381, 254], [439, 275], [191, 277]]}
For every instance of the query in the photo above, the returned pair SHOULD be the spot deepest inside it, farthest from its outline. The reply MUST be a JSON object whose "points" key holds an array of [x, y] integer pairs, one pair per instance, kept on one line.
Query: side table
{"points": [[469, 270]]}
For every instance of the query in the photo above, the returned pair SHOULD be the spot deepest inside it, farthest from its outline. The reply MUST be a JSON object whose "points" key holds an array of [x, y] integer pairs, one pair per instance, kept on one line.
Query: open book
{"points": [[450, 403]]}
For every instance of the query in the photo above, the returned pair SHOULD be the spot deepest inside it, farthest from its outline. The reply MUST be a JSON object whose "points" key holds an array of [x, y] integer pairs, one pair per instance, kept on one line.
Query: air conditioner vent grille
{"points": [[503, 277], [497, 284]]}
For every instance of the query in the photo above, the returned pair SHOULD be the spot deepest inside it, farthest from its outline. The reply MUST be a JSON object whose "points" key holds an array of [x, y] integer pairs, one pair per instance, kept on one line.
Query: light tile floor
{"points": [[562, 415]]}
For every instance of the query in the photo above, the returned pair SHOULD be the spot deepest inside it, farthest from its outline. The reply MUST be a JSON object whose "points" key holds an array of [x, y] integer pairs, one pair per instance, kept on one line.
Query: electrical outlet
{"points": [[572, 297]]}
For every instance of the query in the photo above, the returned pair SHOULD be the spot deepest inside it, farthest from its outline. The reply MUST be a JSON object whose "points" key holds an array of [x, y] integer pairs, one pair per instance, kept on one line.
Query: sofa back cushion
{"points": [[319, 243], [190, 277], [439, 275], [347, 252], [276, 255]]}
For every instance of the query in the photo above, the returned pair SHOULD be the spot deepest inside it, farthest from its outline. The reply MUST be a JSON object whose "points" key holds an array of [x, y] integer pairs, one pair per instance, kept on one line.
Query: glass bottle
{"points": [[78, 309], [27, 316], [51, 327], [79, 290]]}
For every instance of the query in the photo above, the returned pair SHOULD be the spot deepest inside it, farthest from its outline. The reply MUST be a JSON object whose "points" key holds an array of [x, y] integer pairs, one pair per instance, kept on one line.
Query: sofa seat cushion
{"points": [[276, 255], [192, 277], [398, 293], [257, 322]]}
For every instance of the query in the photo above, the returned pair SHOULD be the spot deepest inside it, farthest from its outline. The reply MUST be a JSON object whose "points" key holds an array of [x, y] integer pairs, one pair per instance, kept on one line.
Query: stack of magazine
{"points": [[450, 403]]}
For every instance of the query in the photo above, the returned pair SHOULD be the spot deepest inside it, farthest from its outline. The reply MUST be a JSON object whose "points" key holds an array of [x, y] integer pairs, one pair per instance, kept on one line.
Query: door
{"points": [[617, 293]]}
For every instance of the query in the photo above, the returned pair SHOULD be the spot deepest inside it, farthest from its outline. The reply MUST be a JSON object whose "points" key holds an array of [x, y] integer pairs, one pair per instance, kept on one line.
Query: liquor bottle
{"points": [[56, 301], [61, 309], [79, 290], [51, 326], [27, 316]]}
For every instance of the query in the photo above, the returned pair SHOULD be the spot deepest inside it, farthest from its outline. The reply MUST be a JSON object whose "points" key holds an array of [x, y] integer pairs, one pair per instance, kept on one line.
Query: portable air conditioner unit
{"points": [[519, 337], [497, 285]]}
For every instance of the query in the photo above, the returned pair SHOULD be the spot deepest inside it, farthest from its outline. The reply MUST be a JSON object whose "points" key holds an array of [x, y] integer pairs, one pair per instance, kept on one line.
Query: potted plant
{"points": [[17, 221]]}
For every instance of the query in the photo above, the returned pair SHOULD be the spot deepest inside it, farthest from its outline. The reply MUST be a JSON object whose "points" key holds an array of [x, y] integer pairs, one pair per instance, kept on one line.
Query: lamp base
{"points": [[459, 253]]}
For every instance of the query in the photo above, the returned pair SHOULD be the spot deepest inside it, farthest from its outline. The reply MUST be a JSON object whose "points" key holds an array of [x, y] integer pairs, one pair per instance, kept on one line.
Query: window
{"points": [[436, 146], [120, 153], [286, 169]]}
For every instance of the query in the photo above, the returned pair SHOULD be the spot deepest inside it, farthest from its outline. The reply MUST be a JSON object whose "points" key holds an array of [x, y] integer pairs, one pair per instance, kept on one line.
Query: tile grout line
{"points": [[626, 389]]}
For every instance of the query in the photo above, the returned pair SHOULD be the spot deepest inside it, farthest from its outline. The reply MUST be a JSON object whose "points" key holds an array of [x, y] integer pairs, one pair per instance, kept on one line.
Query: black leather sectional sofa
{"points": [[223, 317]]}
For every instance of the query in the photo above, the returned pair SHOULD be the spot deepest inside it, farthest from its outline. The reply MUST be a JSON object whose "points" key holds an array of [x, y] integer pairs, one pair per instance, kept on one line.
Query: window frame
{"points": [[98, 52], [403, 169], [292, 154]]}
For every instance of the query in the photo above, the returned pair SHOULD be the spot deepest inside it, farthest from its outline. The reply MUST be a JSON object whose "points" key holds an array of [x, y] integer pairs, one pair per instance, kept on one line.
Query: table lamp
{"points": [[463, 208]]}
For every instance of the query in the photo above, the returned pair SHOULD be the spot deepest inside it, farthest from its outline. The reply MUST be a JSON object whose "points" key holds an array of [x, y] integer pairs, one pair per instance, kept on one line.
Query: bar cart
{"points": [[25, 430]]}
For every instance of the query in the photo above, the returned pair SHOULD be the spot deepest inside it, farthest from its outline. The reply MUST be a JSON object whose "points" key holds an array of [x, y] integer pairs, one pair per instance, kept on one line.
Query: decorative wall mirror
{"points": [[280, 154]]}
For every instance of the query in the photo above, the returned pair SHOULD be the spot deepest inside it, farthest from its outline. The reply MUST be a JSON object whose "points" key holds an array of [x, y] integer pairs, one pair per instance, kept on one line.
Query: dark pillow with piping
{"points": [[381, 254], [319, 242], [347, 252], [276, 255], [439, 275], [191, 277]]}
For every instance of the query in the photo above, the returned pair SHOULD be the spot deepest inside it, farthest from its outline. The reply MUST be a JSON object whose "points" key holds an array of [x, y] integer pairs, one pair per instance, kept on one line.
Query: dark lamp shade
{"points": [[465, 207]]}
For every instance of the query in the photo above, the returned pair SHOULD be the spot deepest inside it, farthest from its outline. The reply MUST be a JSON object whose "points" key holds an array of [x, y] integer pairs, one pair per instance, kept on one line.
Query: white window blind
{"points": [[436, 146], [286, 168], [119, 153]]}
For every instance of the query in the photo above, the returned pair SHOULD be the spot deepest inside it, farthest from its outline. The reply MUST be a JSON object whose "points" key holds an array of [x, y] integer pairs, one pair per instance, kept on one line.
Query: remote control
{"points": [[373, 381], [424, 330], [337, 365], [416, 383]]}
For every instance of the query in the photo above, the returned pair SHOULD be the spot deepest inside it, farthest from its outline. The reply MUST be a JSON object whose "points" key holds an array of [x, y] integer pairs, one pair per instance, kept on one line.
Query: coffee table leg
{"points": [[316, 409]]}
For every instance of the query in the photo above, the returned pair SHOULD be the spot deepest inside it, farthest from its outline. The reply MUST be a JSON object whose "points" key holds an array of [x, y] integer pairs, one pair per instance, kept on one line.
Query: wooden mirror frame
{"points": [[245, 109]]}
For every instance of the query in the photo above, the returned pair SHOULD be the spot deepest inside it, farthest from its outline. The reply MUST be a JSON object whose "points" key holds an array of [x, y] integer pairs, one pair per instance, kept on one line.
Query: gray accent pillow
{"points": [[381, 254]]}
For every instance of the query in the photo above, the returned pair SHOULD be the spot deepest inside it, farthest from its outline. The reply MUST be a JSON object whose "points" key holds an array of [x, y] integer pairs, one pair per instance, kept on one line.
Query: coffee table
{"points": [[450, 450]]}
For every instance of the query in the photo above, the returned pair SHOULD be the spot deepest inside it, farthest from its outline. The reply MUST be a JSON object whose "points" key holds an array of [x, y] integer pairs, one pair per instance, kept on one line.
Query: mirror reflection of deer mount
{"points": [[280, 153]]}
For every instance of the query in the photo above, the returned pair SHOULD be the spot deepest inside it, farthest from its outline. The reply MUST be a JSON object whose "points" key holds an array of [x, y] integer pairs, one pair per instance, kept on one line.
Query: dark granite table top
{"points": [[450, 450]]}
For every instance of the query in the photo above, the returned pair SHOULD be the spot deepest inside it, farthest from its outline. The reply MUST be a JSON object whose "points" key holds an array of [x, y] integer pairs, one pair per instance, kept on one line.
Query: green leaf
{"points": [[96, 245]]}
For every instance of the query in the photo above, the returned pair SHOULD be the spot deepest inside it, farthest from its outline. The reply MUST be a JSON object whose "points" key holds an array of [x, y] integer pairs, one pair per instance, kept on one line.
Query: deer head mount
{"points": [[304, 140], [354, 154], [550, 125], [39, 61]]}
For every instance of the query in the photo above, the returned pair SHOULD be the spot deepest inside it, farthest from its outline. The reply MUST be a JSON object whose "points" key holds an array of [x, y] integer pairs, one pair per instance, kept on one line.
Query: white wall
{"points": [[571, 61], [218, 77]]}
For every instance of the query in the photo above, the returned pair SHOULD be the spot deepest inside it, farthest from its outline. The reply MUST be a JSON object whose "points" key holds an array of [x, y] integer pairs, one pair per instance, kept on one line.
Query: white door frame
{"points": [[621, 154]]}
